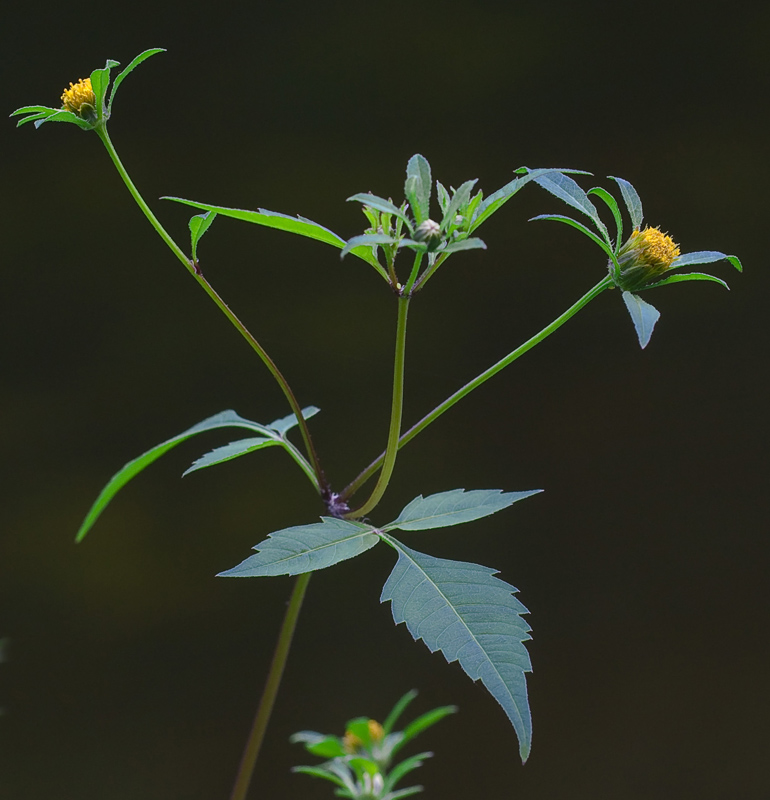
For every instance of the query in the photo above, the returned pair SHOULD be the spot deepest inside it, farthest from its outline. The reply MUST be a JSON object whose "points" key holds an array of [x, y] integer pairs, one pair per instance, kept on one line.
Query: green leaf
{"points": [[399, 771], [566, 189], [632, 200], [460, 198], [397, 711], [443, 197], [130, 68], [643, 315], [320, 772], [225, 419], [381, 204], [492, 203], [368, 239], [687, 276], [453, 508], [283, 425], [472, 617], [60, 116], [305, 548], [422, 723], [612, 204], [100, 80], [282, 222], [319, 744], [579, 225], [230, 451], [199, 224], [705, 257], [464, 244], [31, 110], [418, 187], [36, 116], [402, 793]]}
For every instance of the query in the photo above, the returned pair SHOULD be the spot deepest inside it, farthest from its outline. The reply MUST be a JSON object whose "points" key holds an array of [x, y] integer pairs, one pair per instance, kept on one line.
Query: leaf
{"points": [[225, 419], [418, 186], [368, 239], [453, 508], [688, 276], [579, 225], [632, 200], [705, 257], [422, 723], [381, 204], [100, 80], [472, 617], [282, 222], [199, 224], [283, 425], [643, 315], [460, 198], [397, 711], [320, 772], [443, 197], [130, 68], [305, 548], [612, 204], [464, 244], [230, 451], [399, 771], [319, 744], [492, 203], [566, 189], [59, 116]]}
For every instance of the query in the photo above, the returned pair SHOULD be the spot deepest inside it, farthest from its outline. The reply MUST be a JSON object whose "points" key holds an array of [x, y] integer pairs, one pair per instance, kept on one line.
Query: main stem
{"points": [[603, 284], [257, 735], [397, 407], [223, 307]]}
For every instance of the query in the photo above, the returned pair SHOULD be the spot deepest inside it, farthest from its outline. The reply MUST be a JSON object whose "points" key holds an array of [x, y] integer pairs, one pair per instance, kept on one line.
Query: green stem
{"points": [[257, 735], [388, 459], [220, 303], [603, 284]]}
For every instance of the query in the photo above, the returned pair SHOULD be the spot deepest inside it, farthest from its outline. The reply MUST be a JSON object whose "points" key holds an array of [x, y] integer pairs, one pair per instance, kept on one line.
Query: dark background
{"points": [[134, 672]]}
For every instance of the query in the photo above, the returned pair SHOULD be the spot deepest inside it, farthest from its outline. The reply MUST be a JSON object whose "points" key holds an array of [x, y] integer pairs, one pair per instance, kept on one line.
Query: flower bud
{"points": [[428, 232], [644, 257], [80, 99]]}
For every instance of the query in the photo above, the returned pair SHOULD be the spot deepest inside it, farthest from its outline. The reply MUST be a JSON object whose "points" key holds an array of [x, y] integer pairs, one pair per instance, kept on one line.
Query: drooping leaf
{"points": [[417, 189], [643, 315], [705, 257], [453, 508], [632, 200], [306, 548], [688, 276], [282, 222], [568, 190], [199, 224], [472, 617], [130, 68], [579, 226], [225, 419]]}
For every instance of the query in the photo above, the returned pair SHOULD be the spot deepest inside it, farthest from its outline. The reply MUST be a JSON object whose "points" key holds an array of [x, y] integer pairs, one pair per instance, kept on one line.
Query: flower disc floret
{"points": [[80, 98], [645, 256]]}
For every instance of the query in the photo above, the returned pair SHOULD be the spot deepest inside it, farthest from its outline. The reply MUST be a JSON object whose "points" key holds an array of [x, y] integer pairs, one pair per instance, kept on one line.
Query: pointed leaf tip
{"points": [[643, 315]]}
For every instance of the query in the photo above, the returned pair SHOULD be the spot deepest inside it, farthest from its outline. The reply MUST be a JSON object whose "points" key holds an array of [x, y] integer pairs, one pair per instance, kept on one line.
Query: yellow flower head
{"points": [[645, 256], [351, 743], [80, 98], [375, 730]]}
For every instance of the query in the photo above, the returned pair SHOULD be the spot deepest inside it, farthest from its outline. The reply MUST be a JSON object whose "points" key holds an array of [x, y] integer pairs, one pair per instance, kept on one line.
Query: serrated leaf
{"points": [[688, 276], [230, 451], [568, 190], [199, 224], [225, 419], [472, 617], [306, 548], [418, 186], [453, 508], [579, 226], [130, 68], [632, 200], [282, 222], [705, 257], [283, 425], [460, 198], [643, 315]]}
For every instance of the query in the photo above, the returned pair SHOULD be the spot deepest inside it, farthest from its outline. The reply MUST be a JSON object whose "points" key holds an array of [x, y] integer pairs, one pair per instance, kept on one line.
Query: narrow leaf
{"points": [[320, 772], [402, 769], [135, 63], [453, 508], [305, 548], [688, 276], [381, 204], [397, 711], [612, 204], [225, 419], [566, 189], [367, 239], [579, 226], [705, 257], [423, 722], [472, 617], [443, 197], [230, 451], [632, 200], [460, 198], [62, 116], [31, 110], [464, 244], [319, 744], [283, 425], [643, 315], [199, 224], [418, 186]]}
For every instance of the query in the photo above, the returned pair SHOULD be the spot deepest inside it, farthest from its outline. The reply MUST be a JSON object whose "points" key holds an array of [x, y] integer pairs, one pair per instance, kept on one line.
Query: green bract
{"points": [[100, 81], [627, 273]]}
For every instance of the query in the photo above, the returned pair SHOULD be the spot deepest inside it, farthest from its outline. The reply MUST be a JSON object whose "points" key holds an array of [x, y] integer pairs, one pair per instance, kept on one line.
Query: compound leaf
{"points": [[453, 508], [305, 548], [472, 617]]}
